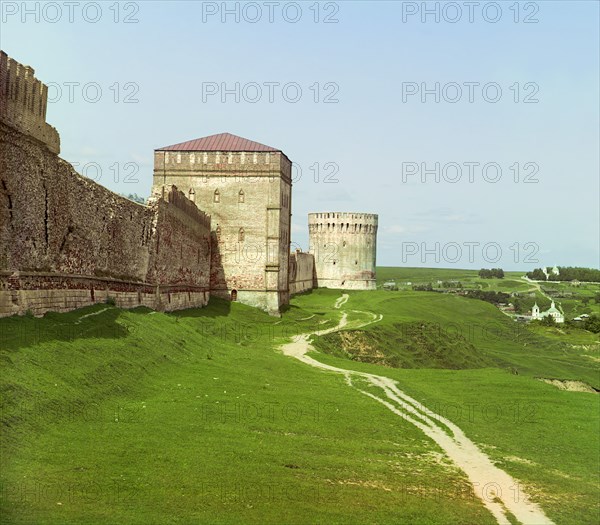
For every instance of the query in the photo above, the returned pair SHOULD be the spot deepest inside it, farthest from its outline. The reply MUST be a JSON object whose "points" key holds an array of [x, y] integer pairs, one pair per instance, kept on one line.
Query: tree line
{"points": [[492, 273], [567, 273]]}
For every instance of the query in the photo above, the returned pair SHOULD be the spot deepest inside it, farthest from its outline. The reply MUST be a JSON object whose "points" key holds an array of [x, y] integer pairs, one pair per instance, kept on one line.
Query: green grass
{"points": [[195, 417], [470, 279], [136, 417], [544, 437], [416, 344], [514, 417], [493, 336], [385, 273]]}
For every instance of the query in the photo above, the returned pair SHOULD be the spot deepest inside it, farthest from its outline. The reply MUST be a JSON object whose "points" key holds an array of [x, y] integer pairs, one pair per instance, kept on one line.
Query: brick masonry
{"points": [[66, 242]]}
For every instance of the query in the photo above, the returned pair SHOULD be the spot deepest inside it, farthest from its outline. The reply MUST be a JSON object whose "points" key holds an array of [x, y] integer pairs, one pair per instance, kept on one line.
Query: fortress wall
{"points": [[38, 293], [54, 220], [67, 242], [344, 245], [302, 272]]}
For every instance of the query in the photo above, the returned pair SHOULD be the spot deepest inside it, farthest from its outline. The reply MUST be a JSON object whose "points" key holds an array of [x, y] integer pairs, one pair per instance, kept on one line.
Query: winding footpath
{"points": [[500, 493]]}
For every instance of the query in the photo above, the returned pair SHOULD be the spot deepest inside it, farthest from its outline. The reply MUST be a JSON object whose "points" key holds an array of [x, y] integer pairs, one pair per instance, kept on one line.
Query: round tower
{"points": [[344, 245]]}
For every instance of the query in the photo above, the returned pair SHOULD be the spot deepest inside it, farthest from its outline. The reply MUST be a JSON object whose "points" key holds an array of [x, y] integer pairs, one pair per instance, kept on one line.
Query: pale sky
{"points": [[371, 62]]}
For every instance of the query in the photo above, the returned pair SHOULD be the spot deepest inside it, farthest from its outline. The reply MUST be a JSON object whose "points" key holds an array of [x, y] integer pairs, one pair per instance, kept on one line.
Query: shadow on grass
{"points": [[93, 322], [289, 308], [216, 308]]}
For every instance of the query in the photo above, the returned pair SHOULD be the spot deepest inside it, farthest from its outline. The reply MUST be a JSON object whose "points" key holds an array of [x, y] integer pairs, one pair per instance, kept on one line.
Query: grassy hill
{"points": [[488, 337], [500, 405], [142, 417], [417, 344]]}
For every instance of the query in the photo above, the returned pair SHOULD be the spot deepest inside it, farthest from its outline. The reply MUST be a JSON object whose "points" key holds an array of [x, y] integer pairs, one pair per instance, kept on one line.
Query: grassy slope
{"points": [[135, 417], [545, 437], [508, 344], [416, 344]]}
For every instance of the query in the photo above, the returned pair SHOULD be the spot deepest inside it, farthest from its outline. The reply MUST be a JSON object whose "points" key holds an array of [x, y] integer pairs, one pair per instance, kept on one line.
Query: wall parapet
{"points": [[222, 163], [342, 222], [24, 101], [355, 216], [178, 199]]}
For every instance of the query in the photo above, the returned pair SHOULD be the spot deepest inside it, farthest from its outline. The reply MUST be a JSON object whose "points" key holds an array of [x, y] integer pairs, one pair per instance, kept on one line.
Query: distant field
{"points": [[196, 417], [385, 273], [471, 278], [512, 282]]}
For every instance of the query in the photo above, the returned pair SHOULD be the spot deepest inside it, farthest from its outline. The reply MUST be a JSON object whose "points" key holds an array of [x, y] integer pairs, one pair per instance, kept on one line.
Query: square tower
{"points": [[246, 188]]}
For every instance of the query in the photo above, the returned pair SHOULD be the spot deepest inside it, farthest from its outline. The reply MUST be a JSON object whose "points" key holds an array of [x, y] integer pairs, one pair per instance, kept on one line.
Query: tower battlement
{"points": [[342, 215], [342, 222], [23, 102]]}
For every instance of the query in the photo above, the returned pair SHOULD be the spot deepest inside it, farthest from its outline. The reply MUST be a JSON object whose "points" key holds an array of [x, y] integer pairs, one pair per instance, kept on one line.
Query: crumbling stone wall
{"points": [[302, 272], [54, 220], [180, 250], [66, 242]]}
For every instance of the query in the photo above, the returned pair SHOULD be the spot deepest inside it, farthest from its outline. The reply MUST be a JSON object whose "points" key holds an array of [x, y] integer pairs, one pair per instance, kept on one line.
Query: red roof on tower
{"points": [[219, 142]]}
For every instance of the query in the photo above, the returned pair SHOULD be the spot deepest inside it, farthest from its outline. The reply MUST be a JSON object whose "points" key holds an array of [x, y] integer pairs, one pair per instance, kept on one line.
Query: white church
{"points": [[552, 312], [554, 271]]}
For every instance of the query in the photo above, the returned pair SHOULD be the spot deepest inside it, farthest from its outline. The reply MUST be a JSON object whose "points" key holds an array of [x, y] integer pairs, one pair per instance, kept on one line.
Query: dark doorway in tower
{"points": [[234, 295]]}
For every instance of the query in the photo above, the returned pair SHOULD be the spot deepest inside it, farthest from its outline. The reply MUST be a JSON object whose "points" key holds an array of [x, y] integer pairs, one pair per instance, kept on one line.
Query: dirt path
{"points": [[499, 492], [341, 301], [536, 286], [90, 315]]}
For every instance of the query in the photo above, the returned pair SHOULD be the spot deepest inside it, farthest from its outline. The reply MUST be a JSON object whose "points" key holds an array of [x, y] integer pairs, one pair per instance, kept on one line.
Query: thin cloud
{"points": [[448, 215], [406, 229]]}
